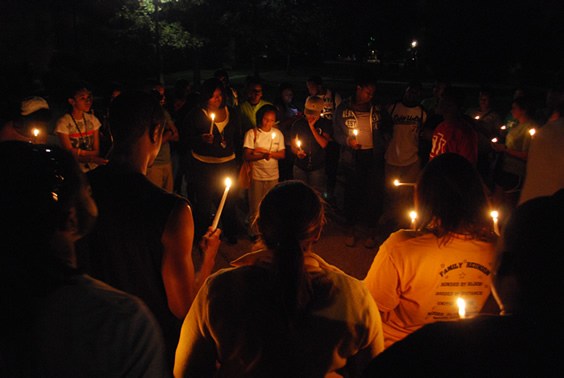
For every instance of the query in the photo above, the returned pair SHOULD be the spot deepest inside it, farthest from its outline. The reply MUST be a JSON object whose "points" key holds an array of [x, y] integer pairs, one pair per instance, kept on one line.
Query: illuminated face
{"points": [[313, 88], [287, 96], [365, 94], [82, 100], [215, 101], [268, 121], [255, 94]]}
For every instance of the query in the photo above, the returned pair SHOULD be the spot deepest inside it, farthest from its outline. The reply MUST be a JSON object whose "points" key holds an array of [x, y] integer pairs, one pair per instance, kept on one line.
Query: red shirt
{"points": [[458, 137]]}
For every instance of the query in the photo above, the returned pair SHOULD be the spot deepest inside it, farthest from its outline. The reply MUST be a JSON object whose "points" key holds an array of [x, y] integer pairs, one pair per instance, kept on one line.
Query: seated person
{"points": [[282, 311], [55, 321], [29, 124], [418, 274], [525, 341]]}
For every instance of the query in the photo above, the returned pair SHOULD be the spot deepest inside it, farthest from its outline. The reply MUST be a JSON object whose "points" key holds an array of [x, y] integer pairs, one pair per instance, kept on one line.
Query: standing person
{"points": [[313, 133], [160, 172], [142, 241], [281, 311], [264, 148], [402, 154], [288, 113], [231, 95], [417, 275], [29, 123], [56, 321], [430, 105], [248, 109], [331, 100], [362, 159], [213, 157], [78, 130], [510, 177], [455, 133]]}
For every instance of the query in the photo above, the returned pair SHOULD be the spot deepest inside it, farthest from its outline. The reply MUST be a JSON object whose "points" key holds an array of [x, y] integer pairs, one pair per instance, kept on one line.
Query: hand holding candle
{"points": [[221, 204], [211, 126], [271, 141], [35, 134]]}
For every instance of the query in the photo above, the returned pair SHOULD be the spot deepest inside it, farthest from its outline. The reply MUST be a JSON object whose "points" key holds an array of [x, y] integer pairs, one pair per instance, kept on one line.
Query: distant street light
{"points": [[414, 44]]}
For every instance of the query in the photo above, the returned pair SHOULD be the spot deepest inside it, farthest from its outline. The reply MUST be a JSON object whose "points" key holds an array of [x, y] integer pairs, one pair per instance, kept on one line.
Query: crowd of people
{"points": [[98, 278]]}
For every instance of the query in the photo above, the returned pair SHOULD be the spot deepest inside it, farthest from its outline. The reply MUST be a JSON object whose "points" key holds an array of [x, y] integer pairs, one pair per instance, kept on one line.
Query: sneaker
{"points": [[350, 241], [370, 242]]}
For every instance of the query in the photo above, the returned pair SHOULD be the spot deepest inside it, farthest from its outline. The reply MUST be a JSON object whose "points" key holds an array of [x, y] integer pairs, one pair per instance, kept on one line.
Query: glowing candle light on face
{"points": [[495, 215], [211, 126], [221, 204], [461, 308], [271, 141], [413, 216]]}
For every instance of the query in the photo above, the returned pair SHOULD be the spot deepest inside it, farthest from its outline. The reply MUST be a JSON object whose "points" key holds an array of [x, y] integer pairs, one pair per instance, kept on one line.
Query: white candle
{"points": [[495, 215], [398, 183], [413, 216], [35, 134], [221, 204], [211, 126], [271, 141], [461, 308]]}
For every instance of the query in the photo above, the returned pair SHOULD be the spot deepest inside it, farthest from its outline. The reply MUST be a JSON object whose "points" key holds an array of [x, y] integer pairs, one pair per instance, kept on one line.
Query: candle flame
{"points": [[413, 216], [494, 140], [228, 182], [35, 132], [396, 182], [461, 307], [273, 135], [503, 127], [355, 132], [477, 117], [532, 131], [494, 214], [299, 143], [212, 116]]}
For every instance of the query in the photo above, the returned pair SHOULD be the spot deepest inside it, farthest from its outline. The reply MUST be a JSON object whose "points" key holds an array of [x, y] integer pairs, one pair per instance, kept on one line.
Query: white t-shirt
{"points": [[364, 126], [264, 170], [81, 133], [404, 146]]}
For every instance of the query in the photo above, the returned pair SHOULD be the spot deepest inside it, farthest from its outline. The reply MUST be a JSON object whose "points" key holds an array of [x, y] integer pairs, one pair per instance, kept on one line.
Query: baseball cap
{"points": [[314, 105], [33, 104]]}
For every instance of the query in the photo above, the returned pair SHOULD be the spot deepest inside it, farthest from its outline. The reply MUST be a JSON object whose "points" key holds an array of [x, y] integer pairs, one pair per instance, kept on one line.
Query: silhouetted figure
{"points": [[56, 321]]}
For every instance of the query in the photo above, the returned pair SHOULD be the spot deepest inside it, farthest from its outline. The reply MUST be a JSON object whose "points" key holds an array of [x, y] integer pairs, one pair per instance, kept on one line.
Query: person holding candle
{"points": [[281, 311], [288, 113], [263, 148], [79, 130], [510, 174], [361, 158], [27, 123], [142, 241], [524, 340], [55, 320], [416, 276], [213, 157], [314, 133]]}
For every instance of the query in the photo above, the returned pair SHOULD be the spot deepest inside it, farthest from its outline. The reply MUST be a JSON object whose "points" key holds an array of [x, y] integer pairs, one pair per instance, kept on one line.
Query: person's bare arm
{"points": [[84, 156], [179, 278]]}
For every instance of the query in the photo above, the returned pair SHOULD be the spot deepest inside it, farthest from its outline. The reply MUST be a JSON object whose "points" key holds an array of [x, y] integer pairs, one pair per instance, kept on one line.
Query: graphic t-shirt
{"points": [[264, 170], [416, 281], [80, 131], [404, 146]]}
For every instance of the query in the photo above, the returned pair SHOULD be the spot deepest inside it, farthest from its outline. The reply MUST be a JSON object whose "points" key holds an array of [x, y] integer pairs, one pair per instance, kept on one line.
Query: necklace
{"points": [[76, 125]]}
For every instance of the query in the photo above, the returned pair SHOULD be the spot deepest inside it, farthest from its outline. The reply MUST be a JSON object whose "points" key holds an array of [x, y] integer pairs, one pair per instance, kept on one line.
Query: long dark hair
{"points": [[291, 215], [450, 199], [207, 90]]}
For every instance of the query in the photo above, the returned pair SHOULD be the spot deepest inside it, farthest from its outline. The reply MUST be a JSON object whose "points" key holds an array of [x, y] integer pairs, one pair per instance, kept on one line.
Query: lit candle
{"points": [[461, 308], [413, 216], [355, 132], [494, 215], [477, 117], [211, 126], [299, 145], [271, 141], [398, 183], [532, 132], [35, 134], [503, 127], [221, 204], [494, 140]]}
